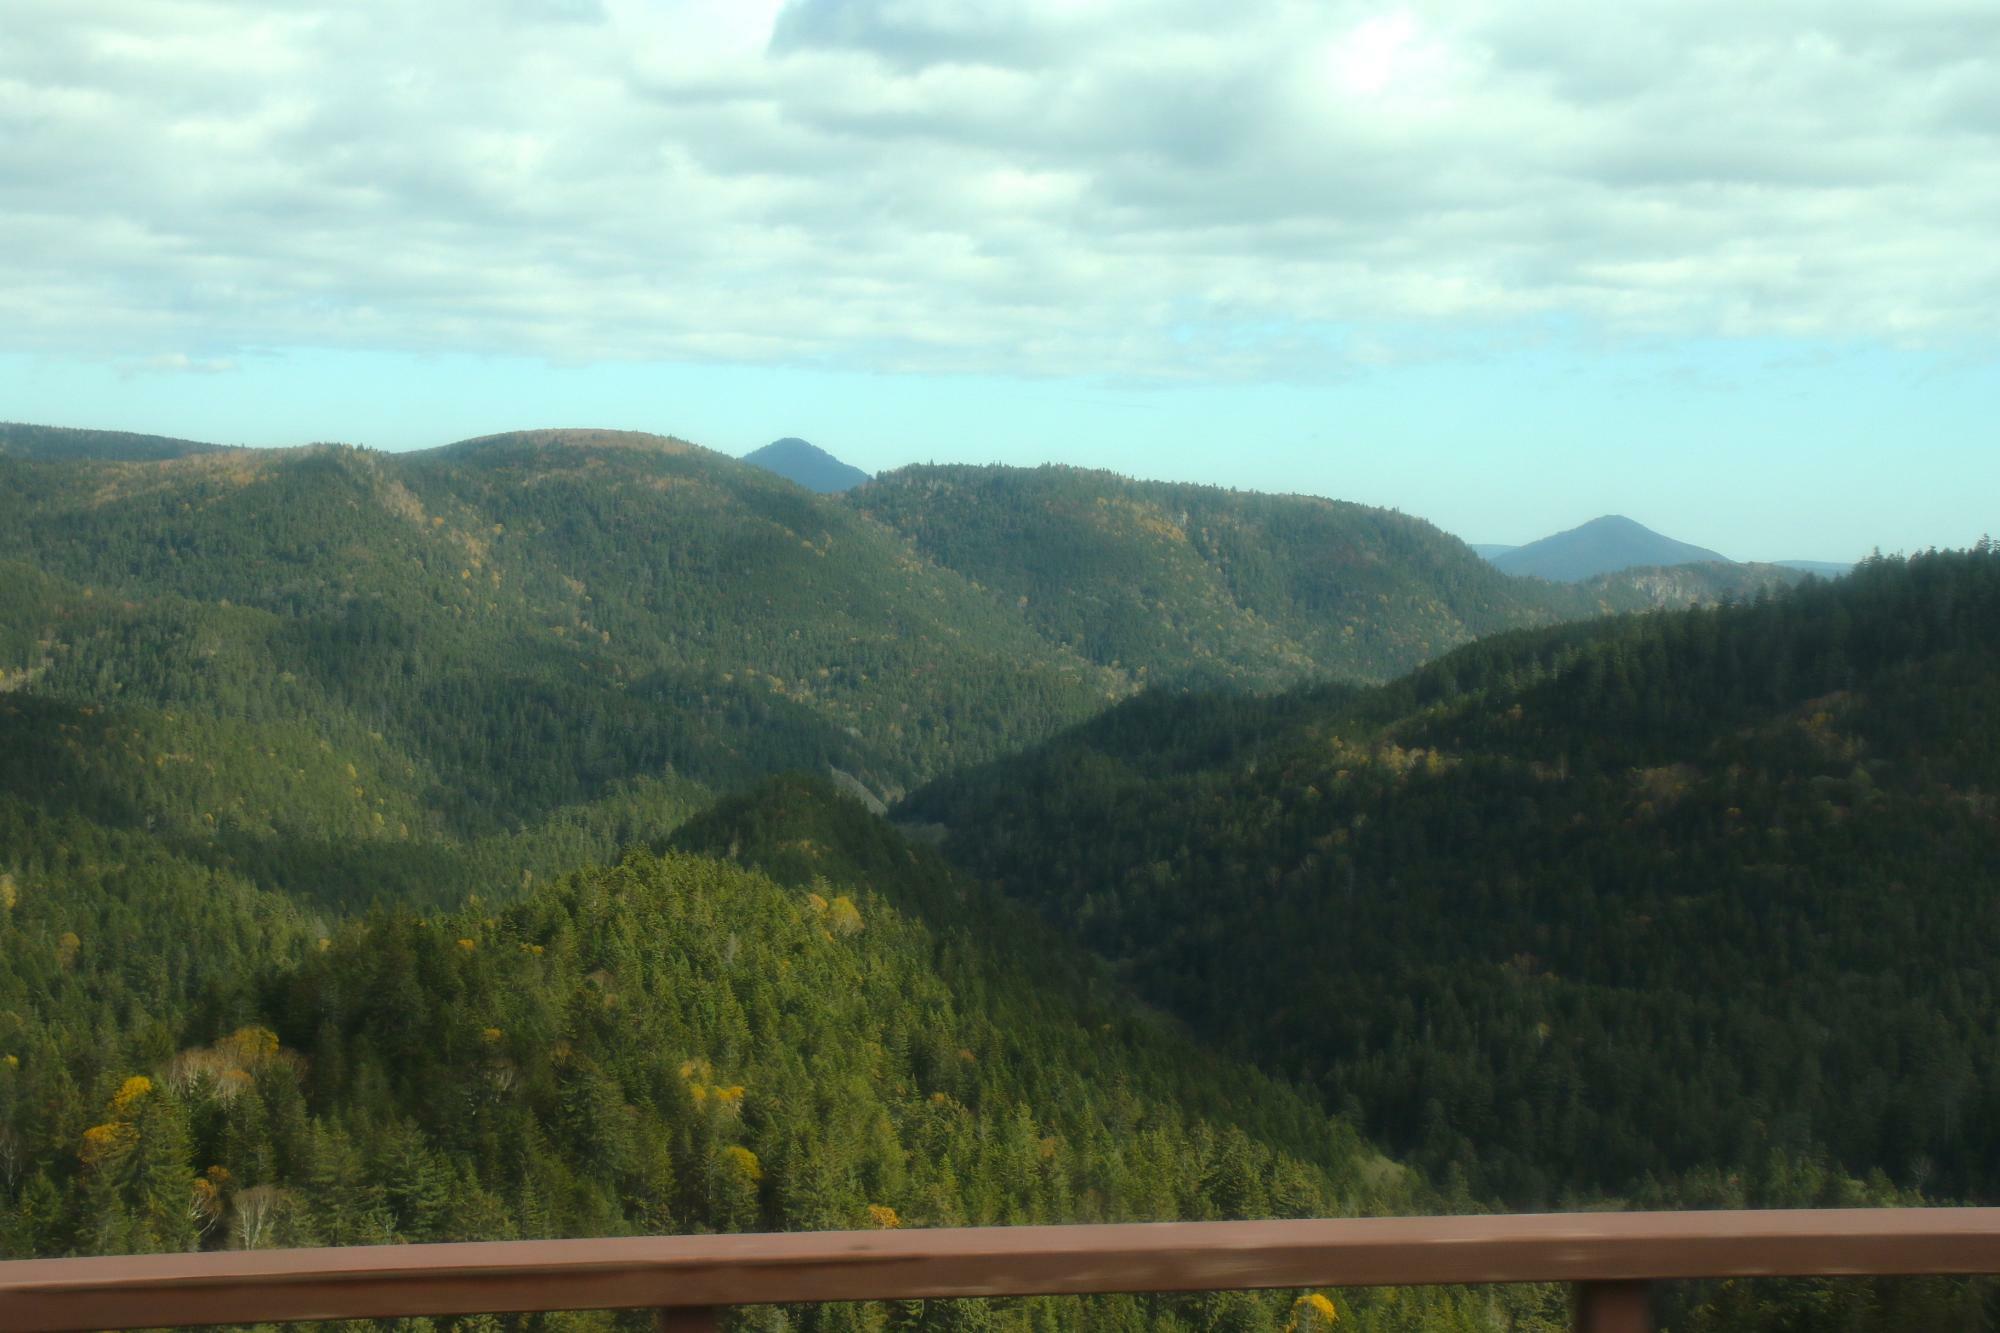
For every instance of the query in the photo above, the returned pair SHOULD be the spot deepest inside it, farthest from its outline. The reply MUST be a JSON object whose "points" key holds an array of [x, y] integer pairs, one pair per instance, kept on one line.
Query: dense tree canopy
{"points": [[1179, 583], [669, 1044], [389, 851], [1694, 906]]}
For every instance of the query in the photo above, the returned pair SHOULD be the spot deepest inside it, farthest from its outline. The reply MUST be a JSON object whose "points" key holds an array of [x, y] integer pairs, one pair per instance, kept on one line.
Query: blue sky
{"points": [[1506, 267]]}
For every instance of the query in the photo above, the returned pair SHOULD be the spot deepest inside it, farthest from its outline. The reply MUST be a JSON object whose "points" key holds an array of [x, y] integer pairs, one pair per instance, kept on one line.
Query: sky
{"points": [[1504, 264]]}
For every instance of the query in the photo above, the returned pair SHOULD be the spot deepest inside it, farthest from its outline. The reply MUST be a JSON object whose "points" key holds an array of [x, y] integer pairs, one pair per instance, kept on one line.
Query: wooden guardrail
{"points": [[1610, 1257]]}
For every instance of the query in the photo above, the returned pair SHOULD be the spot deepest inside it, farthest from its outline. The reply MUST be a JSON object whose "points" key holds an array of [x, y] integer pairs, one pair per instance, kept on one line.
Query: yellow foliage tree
{"points": [[108, 1142], [223, 1070], [129, 1092], [744, 1162], [9, 895], [1312, 1314], [842, 916], [883, 1216], [206, 1203], [66, 948], [250, 1046]]}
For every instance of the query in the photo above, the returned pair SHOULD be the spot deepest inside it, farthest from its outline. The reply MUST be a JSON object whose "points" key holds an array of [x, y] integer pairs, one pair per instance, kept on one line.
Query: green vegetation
{"points": [[1171, 581], [1175, 584], [64, 442], [668, 1044], [525, 620], [498, 630], [1684, 908], [390, 849]]}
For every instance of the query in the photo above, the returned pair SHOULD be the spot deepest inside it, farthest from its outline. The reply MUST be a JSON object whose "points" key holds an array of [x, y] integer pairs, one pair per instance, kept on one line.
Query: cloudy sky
{"points": [[1507, 264]]}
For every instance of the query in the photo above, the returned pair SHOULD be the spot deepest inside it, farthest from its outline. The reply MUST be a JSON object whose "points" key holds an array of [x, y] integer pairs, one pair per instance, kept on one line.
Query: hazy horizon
{"points": [[1471, 539]]}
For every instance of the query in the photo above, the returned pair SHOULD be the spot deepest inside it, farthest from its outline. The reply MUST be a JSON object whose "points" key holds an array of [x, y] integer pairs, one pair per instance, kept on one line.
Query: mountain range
{"points": [[462, 844]]}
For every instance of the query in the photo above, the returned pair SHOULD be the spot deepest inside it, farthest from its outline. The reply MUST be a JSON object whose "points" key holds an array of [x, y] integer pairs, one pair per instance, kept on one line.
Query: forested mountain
{"points": [[1602, 546], [1195, 582], [808, 465], [1176, 581], [512, 624], [1180, 583], [389, 850], [498, 629], [20, 440], [669, 1044], [1694, 907]]}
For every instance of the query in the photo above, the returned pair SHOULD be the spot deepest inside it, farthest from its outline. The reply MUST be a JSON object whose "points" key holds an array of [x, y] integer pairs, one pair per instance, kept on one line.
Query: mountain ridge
{"points": [[23, 440]]}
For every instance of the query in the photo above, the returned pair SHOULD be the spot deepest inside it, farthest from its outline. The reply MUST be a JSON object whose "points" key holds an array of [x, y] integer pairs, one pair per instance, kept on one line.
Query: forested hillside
{"points": [[493, 631], [1695, 907], [1179, 583], [22, 440], [672, 1043], [1678, 587], [521, 621], [389, 850]]}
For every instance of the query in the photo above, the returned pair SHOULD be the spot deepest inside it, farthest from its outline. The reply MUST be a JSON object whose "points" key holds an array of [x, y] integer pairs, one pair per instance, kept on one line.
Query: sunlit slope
{"points": [[711, 564], [1175, 580], [531, 617], [1681, 903], [1180, 583], [670, 1044]]}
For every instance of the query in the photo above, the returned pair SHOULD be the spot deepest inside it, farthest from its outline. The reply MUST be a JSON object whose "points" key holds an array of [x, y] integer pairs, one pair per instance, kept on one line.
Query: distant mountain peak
{"points": [[1604, 545], [806, 464]]}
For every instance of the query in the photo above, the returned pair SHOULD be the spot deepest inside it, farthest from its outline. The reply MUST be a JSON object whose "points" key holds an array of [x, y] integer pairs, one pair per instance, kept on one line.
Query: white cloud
{"points": [[179, 363], [1128, 187]]}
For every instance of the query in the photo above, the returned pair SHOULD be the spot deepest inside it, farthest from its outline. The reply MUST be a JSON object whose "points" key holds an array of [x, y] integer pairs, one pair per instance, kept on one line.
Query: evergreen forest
{"points": [[581, 833]]}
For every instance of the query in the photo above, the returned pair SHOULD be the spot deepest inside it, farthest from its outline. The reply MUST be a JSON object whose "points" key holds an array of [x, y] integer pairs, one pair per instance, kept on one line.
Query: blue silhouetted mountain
{"points": [[808, 465], [1601, 546]]}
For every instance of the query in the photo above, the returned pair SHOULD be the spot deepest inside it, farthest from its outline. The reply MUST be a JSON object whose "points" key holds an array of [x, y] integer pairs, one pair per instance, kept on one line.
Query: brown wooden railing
{"points": [[1610, 1257]]}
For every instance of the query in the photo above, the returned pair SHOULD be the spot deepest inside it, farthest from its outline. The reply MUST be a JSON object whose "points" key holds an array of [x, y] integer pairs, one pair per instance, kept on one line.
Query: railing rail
{"points": [[1610, 1256]]}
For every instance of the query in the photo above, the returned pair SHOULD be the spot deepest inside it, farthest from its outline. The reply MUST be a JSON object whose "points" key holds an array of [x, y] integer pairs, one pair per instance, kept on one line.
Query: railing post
{"points": [[687, 1319], [1613, 1307]]}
